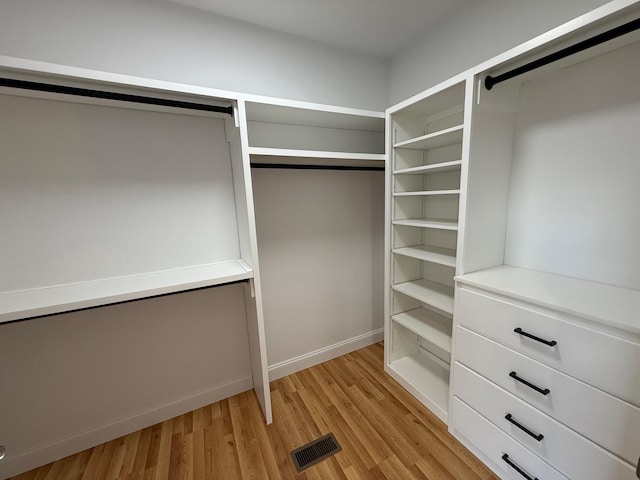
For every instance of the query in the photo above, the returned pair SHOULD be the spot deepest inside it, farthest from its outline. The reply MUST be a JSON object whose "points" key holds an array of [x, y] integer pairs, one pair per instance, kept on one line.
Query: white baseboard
{"points": [[14, 465], [324, 354]]}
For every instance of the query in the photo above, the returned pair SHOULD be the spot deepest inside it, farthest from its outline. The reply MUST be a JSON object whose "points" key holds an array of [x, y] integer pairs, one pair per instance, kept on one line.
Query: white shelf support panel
{"points": [[22, 304]]}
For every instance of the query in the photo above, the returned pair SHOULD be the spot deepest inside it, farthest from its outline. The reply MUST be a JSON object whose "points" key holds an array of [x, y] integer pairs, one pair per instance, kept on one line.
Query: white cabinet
{"points": [[426, 145], [546, 338], [569, 381]]}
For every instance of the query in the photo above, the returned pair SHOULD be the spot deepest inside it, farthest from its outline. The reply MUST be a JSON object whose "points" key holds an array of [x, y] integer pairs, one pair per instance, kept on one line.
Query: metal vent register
{"points": [[315, 451]]}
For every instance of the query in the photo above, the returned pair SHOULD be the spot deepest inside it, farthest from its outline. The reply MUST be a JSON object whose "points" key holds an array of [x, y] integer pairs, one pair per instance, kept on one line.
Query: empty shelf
{"points": [[429, 325], [449, 136], [442, 256], [433, 168], [435, 294], [20, 304], [427, 378], [437, 223], [426, 193]]}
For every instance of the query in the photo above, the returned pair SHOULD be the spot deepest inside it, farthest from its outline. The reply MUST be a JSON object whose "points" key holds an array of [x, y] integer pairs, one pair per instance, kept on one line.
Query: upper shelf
{"points": [[22, 304], [314, 157], [297, 133], [313, 115], [442, 138]]}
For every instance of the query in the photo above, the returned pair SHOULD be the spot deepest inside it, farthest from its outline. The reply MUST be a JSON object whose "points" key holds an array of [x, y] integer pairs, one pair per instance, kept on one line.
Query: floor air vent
{"points": [[315, 451]]}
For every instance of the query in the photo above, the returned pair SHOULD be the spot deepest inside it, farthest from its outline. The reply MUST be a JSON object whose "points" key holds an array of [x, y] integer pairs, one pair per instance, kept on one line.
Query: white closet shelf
{"points": [[436, 223], [428, 325], [427, 379], [272, 110], [21, 304], [433, 168], [442, 256], [598, 302], [442, 138], [425, 193], [264, 153], [431, 293]]}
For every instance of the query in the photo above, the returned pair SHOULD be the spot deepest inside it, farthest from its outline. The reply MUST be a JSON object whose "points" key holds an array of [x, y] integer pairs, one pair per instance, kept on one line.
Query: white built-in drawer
{"points": [[606, 420], [599, 359], [568, 452], [495, 444]]}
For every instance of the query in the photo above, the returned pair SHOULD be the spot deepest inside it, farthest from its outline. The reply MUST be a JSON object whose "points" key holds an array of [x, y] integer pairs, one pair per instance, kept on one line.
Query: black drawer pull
{"points": [[505, 457], [537, 436], [551, 343], [544, 391]]}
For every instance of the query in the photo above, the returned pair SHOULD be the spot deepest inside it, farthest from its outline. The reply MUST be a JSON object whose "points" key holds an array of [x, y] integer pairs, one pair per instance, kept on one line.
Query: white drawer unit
{"points": [[599, 359], [514, 460], [608, 421], [570, 453]]}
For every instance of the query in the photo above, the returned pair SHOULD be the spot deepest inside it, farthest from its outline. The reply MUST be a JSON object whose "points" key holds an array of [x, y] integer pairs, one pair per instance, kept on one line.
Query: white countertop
{"points": [[610, 305]]}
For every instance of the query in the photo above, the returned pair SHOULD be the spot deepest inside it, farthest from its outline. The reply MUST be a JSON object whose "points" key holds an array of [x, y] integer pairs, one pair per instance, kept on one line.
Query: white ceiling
{"points": [[374, 27]]}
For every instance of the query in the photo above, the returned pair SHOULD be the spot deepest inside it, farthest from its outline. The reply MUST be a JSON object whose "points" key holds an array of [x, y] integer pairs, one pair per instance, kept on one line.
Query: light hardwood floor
{"points": [[384, 433]]}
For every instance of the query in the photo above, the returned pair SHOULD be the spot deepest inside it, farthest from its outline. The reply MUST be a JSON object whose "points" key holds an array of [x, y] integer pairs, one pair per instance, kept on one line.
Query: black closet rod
{"points": [[616, 32], [287, 166], [125, 97]]}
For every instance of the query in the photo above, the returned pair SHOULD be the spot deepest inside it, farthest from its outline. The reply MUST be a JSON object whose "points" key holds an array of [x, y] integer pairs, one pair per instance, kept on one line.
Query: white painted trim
{"points": [[324, 354], [14, 465]]}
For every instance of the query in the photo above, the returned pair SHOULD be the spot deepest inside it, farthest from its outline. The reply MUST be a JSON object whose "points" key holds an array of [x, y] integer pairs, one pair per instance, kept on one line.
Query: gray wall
{"points": [[482, 30], [161, 40]]}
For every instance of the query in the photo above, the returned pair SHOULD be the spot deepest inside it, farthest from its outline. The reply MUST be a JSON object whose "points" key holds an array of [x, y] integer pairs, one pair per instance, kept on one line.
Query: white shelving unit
{"points": [[549, 248], [300, 133], [167, 210], [424, 185]]}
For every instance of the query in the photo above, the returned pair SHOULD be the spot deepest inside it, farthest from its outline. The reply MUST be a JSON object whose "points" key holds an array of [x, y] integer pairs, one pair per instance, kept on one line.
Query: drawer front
{"points": [[606, 420], [494, 444], [568, 452], [599, 359]]}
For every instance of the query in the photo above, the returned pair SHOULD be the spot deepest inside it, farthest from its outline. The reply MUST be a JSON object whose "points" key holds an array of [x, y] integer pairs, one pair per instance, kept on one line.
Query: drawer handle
{"points": [[551, 343], [537, 436], [505, 457], [544, 391]]}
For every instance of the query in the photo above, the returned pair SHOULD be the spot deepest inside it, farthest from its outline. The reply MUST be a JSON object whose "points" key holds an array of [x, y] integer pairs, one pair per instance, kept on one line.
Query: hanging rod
{"points": [[125, 97], [287, 166], [616, 32]]}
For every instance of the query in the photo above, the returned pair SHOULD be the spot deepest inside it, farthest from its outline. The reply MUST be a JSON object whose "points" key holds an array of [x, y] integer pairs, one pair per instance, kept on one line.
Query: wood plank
{"points": [[385, 433]]}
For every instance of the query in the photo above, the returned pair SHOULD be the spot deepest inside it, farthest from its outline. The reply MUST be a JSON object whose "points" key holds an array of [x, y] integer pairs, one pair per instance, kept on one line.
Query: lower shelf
{"points": [[427, 324], [21, 304], [427, 380]]}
